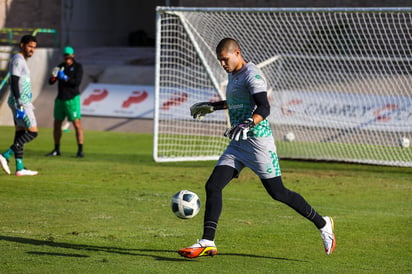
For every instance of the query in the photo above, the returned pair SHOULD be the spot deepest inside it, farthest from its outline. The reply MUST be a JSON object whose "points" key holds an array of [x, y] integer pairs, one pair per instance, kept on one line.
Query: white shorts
{"points": [[29, 119], [258, 154]]}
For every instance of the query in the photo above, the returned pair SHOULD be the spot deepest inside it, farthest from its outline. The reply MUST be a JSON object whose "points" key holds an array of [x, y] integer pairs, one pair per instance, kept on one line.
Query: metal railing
{"points": [[13, 32]]}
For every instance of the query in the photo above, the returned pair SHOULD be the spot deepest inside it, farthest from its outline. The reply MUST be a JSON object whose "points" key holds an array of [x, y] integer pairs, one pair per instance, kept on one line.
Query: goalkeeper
{"points": [[252, 145]]}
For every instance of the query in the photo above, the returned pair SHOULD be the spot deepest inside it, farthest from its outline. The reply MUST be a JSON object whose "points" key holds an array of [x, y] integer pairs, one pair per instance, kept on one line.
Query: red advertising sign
{"points": [[118, 101]]}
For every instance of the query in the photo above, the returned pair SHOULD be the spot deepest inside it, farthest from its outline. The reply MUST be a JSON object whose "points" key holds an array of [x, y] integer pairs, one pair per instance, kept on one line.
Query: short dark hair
{"points": [[27, 39], [228, 44]]}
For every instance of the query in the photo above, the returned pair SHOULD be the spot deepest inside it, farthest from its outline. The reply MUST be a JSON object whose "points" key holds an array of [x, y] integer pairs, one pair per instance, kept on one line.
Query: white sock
{"points": [[205, 242]]}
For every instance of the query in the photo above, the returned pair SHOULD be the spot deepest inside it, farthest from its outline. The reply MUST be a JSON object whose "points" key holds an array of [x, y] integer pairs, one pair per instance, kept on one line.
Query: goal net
{"points": [[340, 81]]}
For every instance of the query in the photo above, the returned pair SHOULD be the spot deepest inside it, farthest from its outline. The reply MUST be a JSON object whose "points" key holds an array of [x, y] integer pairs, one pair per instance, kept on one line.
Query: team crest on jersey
{"points": [[257, 76]]}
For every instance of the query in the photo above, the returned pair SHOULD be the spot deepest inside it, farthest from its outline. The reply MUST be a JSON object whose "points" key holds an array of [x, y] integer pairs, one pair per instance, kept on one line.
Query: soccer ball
{"points": [[185, 204], [404, 142], [289, 137]]}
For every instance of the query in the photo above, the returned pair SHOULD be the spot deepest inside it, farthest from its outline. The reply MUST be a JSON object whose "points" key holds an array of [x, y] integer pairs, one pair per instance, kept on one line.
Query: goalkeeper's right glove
{"points": [[61, 75], [241, 130], [199, 110], [55, 72]]}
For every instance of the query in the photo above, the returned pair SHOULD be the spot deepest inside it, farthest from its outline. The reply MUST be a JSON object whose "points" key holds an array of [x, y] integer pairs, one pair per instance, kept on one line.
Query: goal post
{"points": [[339, 79]]}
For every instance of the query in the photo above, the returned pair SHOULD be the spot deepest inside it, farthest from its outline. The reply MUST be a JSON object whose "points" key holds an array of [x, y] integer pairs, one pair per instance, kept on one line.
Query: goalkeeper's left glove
{"points": [[55, 72], [241, 129], [199, 110], [21, 112]]}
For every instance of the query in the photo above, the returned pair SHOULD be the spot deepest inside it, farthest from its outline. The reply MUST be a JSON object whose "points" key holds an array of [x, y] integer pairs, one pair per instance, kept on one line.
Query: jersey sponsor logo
{"points": [[235, 106]]}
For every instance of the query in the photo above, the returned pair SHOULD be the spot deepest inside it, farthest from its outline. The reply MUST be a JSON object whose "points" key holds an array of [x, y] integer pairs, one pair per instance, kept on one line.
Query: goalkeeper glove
{"points": [[242, 129], [61, 75], [21, 112], [55, 72], [199, 110]]}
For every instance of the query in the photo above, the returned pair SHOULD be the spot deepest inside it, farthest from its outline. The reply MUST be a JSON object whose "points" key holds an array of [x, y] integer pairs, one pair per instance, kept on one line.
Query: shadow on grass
{"points": [[261, 257], [57, 254], [107, 249], [117, 250]]}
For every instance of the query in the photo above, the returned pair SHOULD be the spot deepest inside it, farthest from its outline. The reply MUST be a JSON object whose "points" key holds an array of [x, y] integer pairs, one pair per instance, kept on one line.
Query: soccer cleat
{"points": [[80, 155], [328, 237], [26, 172], [4, 164], [54, 153], [201, 248]]}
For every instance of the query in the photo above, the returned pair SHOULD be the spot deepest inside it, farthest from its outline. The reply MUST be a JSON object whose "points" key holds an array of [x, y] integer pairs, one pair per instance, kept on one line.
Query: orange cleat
{"points": [[201, 248]]}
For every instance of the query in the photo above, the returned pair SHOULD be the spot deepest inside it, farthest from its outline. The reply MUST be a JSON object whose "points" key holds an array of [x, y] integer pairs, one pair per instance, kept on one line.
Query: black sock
{"points": [[277, 190], [57, 147], [209, 230], [80, 148], [20, 141], [220, 177], [18, 134]]}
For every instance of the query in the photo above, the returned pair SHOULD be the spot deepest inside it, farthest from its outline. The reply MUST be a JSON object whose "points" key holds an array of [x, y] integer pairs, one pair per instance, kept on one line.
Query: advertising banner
{"points": [[130, 101], [342, 110], [176, 102], [315, 109]]}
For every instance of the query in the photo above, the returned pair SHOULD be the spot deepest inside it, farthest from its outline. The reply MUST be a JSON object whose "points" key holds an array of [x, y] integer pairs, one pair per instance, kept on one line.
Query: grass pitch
{"points": [[110, 213]]}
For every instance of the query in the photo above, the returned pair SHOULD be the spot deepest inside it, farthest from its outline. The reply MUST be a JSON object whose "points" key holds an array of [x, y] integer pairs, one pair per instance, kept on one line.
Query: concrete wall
{"points": [[107, 23], [30, 13], [102, 23], [40, 66], [91, 23], [132, 66]]}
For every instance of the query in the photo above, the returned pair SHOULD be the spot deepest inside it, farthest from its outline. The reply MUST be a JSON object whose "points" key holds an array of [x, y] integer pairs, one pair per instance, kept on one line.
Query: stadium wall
{"points": [[92, 23], [294, 3], [39, 65], [99, 23]]}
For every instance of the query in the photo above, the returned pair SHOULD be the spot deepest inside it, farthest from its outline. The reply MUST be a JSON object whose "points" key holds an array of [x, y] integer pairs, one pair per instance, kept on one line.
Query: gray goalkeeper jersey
{"points": [[19, 67], [239, 97]]}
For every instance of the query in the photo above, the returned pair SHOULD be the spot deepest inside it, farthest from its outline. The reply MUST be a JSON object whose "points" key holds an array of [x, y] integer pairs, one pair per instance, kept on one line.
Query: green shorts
{"points": [[67, 108]]}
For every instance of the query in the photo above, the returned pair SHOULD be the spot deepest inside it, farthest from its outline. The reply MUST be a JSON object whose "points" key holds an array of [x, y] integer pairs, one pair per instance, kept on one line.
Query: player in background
{"points": [[67, 103], [252, 145], [21, 106]]}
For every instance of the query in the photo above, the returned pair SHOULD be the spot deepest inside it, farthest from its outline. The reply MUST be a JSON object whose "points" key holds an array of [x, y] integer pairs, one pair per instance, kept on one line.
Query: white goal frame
{"points": [[382, 75]]}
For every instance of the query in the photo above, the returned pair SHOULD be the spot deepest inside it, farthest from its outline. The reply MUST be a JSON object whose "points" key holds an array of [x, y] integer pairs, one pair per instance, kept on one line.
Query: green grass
{"points": [[346, 152], [110, 213]]}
